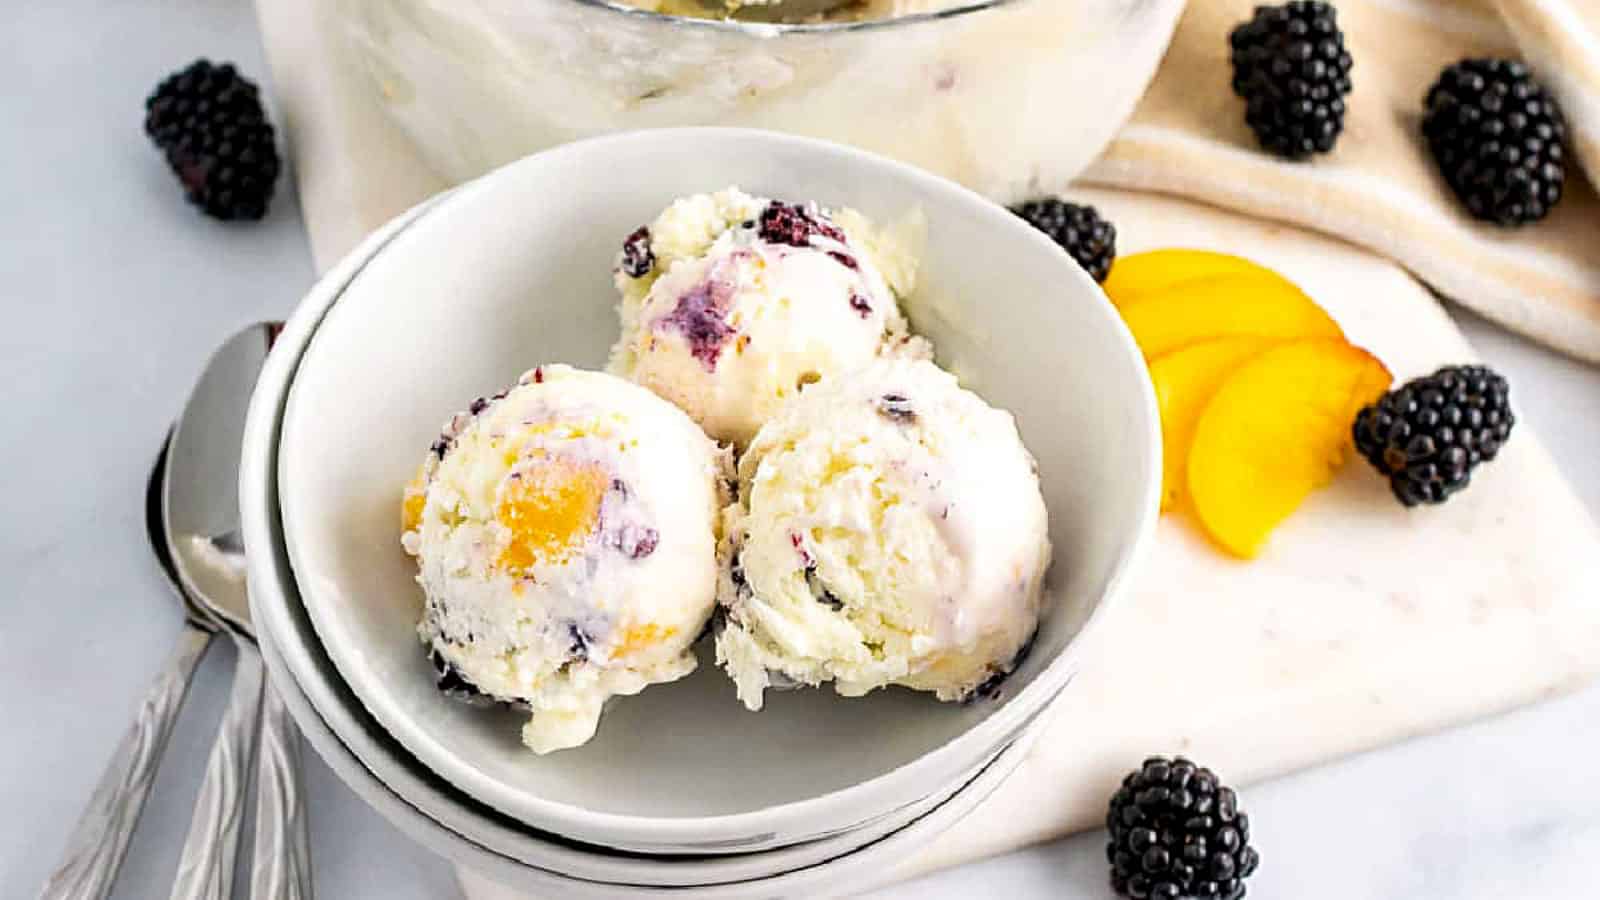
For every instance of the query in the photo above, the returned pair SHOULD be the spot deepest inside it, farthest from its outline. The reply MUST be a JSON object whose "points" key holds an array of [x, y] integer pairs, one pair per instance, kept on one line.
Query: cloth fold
{"points": [[1379, 187]]}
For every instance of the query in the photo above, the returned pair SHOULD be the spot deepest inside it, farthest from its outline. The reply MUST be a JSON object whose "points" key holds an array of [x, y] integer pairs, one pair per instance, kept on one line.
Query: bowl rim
{"points": [[889, 790], [778, 30], [463, 850], [271, 618], [365, 772]]}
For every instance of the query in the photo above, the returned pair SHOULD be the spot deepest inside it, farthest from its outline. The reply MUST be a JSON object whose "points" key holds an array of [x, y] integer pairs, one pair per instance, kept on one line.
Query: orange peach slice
{"points": [[1275, 431], [1185, 381], [1256, 305], [1153, 271]]}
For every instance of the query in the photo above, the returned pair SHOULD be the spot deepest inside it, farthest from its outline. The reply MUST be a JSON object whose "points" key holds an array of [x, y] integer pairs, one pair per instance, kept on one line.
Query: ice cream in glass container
{"points": [[1008, 97], [565, 535]]}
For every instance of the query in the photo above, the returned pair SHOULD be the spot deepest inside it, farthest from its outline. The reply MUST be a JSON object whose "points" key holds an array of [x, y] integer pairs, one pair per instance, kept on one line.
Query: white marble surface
{"points": [[114, 292]]}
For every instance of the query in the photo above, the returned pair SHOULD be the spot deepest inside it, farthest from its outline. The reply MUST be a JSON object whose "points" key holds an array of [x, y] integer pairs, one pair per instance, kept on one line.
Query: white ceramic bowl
{"points": [[513, 270], [371, 761], [868, 867]]}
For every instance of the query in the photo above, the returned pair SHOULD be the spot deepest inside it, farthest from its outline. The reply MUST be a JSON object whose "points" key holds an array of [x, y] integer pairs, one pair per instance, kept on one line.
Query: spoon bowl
{"points": [[200, 503]]}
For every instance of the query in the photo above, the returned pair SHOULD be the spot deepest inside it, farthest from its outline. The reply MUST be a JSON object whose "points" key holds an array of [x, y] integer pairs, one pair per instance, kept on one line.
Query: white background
{"points": [[113, 294]]}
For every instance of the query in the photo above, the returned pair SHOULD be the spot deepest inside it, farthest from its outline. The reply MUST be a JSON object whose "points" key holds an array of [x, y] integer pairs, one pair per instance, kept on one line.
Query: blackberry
{"points": [[1499, 140], [993, 687], [1080, 231], [452, 683], [794, 225], [897, 408], [635, 541], [1176, 831], [1291, 67], [819, 590], [579, 641], [209, 122], [1428, 436], [637, 257]]}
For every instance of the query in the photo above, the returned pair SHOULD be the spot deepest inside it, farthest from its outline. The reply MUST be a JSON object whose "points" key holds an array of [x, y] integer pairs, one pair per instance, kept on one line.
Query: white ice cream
{"points": [[889, 529], [1012, 101], [565, 534], [731, 304]]}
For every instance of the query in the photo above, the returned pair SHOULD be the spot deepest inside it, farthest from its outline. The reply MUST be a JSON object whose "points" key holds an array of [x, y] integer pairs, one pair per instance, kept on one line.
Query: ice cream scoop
{"points": [[565, 534], [732, 304], [889, 530]]}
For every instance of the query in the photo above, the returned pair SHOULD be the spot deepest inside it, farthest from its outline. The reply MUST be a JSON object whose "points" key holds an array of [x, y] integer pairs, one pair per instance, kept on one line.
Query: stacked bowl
{"points": [[682, 788]]}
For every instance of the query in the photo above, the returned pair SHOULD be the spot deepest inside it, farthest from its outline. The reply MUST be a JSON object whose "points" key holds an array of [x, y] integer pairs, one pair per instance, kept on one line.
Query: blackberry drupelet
{"points": [[449, 680], [637, 256], [1291, 67], [1427, 436], [209, 122], [1080, 231], [792, 224], [1499, 139], [1176, 831]]}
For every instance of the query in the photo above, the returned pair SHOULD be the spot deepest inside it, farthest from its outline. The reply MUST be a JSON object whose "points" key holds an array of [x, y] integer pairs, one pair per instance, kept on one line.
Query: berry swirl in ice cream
{"points": [[731, 304], [545, 522], [889, 529]]}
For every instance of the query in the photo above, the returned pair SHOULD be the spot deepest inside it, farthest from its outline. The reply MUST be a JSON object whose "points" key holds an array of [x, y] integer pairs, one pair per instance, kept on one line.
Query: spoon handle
{"points": [[100, 839], [205, 870], [282, 869]]}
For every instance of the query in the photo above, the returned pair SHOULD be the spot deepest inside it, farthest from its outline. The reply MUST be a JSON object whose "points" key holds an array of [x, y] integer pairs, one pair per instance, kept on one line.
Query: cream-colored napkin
{"points": [[1379, 187], [1337, 640], [353, 167]]}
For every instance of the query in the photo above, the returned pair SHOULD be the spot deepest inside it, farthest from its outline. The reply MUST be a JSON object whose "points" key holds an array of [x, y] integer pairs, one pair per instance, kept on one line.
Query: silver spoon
{"points": [[201, 515], [100, 840]]}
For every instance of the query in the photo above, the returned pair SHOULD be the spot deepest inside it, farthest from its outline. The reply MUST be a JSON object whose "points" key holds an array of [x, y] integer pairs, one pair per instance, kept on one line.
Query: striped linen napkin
{"points": [[1379, 187]]}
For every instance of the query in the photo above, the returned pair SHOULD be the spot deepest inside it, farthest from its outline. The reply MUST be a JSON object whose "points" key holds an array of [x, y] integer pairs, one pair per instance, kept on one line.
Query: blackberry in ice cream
{"points": [[636, 256], [889, 530], [545, 523], [732, 304]]}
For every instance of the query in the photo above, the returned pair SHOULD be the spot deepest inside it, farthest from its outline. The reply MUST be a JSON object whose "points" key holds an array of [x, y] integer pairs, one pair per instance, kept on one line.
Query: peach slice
{"points": [[1142, 274], [547, 511], [1185, 381], [1275, 431], [1258, 305]]}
